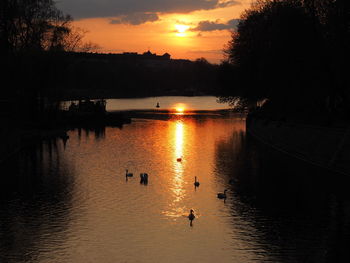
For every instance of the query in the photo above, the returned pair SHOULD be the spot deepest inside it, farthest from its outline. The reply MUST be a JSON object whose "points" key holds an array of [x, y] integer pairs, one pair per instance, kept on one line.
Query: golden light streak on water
{"points": [[177, 182]]}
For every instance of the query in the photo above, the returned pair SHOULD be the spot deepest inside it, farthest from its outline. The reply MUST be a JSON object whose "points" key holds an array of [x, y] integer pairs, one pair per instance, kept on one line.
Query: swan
{"points": [[191, 216], [222, 195], [128, 174], [196, 183], [144, 178]]}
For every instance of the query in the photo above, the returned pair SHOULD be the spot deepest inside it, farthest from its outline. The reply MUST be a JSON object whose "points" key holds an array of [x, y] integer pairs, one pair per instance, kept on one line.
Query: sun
{"points": [[180, 109], [181, 30]]}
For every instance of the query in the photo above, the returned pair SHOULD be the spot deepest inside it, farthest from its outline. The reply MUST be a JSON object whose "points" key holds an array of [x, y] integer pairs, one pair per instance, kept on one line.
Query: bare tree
{"points": [[37, 25]]}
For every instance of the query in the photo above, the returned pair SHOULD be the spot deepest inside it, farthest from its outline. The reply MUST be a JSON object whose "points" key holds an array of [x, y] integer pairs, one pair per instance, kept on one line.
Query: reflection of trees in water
{"points": [[35, 201], [295, 212], [99, 132], [228, 156]]}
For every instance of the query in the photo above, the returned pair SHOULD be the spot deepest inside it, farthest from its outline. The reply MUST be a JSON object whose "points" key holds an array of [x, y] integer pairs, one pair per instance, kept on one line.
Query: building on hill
{"points": [[154, 56], [147, 57], [166, 56]]}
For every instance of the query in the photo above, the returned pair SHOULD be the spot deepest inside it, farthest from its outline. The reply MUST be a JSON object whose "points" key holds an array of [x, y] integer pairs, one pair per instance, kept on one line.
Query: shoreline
{"points": [[325, 147]]}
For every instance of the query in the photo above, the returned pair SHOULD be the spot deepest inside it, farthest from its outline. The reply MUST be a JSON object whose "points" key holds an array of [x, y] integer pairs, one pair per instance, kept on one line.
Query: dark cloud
{"points": [[117, 8], [212, 26], [135, 18]]}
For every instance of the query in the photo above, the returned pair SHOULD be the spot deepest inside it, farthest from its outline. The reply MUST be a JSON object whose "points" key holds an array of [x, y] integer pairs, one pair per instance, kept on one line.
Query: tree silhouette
{"points": [[36, 25], [293, 53]]}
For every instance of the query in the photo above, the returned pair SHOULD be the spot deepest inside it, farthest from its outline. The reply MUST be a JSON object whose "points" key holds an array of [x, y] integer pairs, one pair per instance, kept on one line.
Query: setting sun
{"points": [[181, 30], [180, 109]]}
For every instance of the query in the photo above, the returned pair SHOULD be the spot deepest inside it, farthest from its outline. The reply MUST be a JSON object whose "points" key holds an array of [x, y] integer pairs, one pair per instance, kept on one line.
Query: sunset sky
{"points": [[186, 29]]}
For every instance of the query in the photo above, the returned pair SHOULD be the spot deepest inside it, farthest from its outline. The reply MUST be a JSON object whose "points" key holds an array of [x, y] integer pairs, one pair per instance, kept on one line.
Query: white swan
{"points": [[196, 183], [222, 195]]}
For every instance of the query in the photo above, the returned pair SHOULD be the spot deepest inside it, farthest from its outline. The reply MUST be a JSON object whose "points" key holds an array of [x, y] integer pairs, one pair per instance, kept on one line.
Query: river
{"points": [[71, 202]]}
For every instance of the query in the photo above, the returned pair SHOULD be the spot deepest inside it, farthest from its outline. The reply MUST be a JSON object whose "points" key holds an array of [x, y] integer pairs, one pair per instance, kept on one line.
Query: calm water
{"points": [[170, 102], [72, 202]]}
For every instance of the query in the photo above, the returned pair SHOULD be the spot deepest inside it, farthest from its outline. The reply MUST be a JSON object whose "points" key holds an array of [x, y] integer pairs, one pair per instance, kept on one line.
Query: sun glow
{"points": [[181, 30], [179, 108]]}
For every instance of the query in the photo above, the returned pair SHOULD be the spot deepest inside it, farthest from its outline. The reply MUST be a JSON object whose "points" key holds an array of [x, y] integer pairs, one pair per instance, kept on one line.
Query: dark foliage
{"points": [[293, 53], [112, 75]]}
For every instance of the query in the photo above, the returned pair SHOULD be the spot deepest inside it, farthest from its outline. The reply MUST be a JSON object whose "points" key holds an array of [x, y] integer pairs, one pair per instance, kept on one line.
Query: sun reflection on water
{"points": [[179, 140], [178, 165], [177, 182]]}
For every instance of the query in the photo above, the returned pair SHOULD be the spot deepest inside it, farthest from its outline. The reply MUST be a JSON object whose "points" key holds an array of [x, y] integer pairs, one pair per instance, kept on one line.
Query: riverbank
{"points": [[17, 136], [325, 147]]}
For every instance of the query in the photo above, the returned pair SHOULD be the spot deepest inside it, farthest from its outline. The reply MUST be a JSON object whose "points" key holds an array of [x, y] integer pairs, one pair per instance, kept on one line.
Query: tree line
{"points": [[34, 35], [293, 54], [110, 76]]}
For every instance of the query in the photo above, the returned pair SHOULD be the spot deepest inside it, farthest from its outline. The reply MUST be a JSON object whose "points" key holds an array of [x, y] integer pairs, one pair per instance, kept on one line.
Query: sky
{"points": [[186, 29]]}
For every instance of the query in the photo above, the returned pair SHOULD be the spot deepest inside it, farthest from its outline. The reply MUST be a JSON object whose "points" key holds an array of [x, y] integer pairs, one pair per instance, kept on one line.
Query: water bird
{"points": [[157, 106], [179, 159], [222, 195], [196, 183], [144, 178], [127, 174], [191, 216]]}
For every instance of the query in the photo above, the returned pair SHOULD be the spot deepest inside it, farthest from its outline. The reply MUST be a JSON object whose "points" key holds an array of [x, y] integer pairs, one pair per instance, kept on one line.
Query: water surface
{"points": [[72, 203], [166, 103]]}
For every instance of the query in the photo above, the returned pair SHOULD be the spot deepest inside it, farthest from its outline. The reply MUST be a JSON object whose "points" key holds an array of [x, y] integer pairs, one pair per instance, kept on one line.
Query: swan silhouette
{"points": [[144, 178], [222, 195], [196, 183], [191, 216]]}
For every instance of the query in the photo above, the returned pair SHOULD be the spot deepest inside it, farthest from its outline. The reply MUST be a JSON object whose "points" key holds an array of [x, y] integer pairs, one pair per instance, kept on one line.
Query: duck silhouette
{"points": [[222, 195], [196, 183], [127, 174]]}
